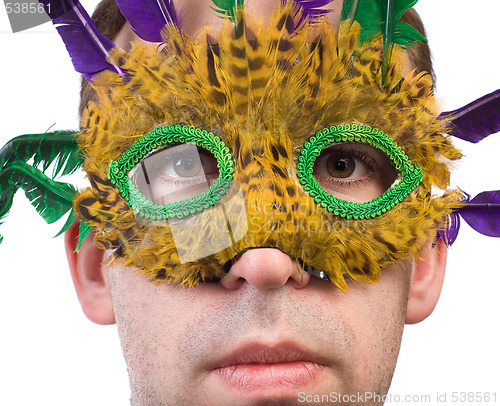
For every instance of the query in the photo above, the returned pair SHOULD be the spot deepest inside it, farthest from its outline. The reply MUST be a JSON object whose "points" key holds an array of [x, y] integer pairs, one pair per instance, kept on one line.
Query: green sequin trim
{"points": [[411, 174], [167, 135]]}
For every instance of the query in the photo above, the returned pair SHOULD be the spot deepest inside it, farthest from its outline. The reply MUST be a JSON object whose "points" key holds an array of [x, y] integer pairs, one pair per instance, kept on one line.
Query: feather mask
{"points": [[287, 133], [261, 110]]}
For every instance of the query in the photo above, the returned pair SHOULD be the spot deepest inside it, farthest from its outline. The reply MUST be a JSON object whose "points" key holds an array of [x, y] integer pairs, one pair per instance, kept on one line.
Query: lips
{"points": [[265, 368]]}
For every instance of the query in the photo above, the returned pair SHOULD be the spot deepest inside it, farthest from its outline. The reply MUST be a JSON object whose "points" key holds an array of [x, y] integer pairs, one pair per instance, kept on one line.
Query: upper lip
{"points": [[257, 353]]}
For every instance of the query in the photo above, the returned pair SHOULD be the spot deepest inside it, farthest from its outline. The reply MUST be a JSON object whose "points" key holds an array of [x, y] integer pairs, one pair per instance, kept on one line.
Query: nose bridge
{"points": [[265, 161], [267, 180], [278, 208], [280, 213]]}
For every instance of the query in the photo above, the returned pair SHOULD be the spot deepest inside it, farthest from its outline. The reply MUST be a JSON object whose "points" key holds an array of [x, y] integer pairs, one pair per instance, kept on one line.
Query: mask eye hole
{"points": [[173, 171], [356, 171]]}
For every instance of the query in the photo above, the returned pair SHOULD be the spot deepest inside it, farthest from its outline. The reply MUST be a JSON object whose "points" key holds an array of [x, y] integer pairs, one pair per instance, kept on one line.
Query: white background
{"points": [[50, 354]]}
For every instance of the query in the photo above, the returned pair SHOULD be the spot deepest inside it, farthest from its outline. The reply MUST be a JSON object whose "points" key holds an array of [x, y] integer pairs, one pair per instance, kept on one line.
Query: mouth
{"points": [[269, 368]]}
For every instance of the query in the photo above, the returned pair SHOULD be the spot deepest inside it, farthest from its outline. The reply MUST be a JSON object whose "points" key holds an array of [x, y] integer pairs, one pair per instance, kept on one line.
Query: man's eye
{"points": [[342, 165], [187, 166], [354, 171], [174, 173], [179, 164]]}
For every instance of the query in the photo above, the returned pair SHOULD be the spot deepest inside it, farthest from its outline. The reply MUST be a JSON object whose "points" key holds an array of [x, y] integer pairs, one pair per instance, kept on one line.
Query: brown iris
{"points": [[340, 165]]}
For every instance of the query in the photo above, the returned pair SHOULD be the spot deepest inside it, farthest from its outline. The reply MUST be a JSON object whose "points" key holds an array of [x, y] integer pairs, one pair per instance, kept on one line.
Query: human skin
{"points": [[176, 340], [266, 331]]}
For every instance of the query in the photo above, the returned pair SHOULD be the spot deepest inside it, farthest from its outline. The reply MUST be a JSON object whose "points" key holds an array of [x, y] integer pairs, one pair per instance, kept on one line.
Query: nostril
{"points": [[303, 267], [264, 268]]}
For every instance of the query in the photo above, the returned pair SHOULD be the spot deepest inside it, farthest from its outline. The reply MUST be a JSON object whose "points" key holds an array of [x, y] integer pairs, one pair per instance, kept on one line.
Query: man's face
{"points": [[248, 342], [267, 333]]}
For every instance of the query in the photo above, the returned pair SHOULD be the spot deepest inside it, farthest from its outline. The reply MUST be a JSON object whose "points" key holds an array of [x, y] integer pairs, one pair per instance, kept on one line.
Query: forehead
{"points": [[192, 22]]}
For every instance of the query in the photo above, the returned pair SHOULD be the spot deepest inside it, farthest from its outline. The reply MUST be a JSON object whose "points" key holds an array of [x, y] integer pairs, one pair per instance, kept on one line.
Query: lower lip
{"points": [[256, 377]]}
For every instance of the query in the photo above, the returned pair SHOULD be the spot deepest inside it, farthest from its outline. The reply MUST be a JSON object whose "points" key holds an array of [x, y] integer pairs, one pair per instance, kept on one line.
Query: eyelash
{"points": [[367, 160], [167, 160], [175, 183]]}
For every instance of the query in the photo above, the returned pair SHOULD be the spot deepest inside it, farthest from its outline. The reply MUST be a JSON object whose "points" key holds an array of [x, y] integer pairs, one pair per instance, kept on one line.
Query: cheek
{"points": [[149, 327], [379, 318]]}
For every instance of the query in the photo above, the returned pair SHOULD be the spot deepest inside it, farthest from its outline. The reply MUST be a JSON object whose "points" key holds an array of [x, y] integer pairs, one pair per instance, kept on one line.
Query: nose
{"points": [[265, 268]]}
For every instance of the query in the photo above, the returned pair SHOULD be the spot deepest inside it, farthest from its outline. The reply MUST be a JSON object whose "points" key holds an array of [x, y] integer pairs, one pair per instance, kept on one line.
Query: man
{"points": [[273, 310]]}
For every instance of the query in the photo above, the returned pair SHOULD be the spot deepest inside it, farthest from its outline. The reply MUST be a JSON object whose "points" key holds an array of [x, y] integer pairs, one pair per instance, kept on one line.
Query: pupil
{"points": [[187, 164], [341, 165]]}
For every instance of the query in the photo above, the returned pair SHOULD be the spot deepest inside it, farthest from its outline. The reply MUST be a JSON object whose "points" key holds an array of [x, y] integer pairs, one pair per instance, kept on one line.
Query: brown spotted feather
{"points": [[264, 89]]}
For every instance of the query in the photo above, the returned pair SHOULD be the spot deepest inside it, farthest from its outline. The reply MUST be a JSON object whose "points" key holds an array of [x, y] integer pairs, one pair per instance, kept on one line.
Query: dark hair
{"points": [[109, 21], [420, 53]]}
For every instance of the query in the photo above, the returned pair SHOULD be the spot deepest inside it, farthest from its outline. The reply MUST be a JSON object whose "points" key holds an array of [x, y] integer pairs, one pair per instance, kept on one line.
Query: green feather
{"points": [[6, 198], [59, 148], [350, 12], [228, 8], [85, 230], [396, 31], [367, 13], [51, 199], [383, 17], [69, 222]]}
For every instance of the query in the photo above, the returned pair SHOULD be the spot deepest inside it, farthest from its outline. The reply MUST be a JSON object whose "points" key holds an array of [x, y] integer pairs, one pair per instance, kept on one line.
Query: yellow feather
{"points": [[265, 90]]}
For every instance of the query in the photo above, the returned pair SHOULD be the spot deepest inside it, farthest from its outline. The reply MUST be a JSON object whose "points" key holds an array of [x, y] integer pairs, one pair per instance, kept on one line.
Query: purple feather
{"points": [[149, 17], [87, 47], [476, 120], [311, 9], [450, 234], [483, 213]]}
